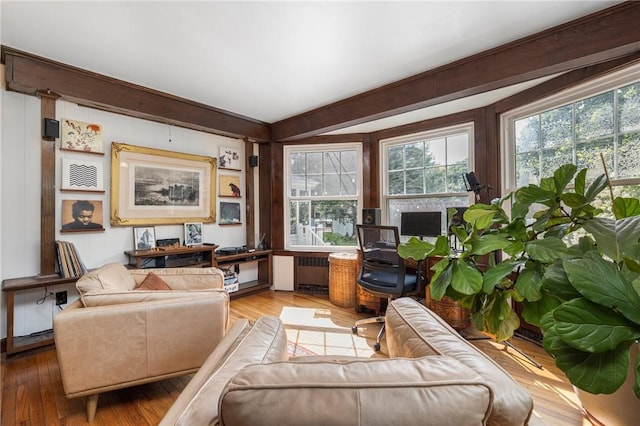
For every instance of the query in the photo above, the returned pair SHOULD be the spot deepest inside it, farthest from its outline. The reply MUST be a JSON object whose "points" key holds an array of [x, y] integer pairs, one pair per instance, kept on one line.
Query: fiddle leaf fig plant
{"points": [[577, 274]]}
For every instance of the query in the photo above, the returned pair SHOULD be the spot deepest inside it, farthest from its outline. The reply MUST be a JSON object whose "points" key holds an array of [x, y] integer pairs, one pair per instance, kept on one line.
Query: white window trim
{"points": [[288, 149], [428, 134], [603, 84]]}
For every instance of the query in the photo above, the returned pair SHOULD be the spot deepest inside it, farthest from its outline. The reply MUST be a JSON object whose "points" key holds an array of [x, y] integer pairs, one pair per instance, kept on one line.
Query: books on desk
{"points": [[69, 263]]}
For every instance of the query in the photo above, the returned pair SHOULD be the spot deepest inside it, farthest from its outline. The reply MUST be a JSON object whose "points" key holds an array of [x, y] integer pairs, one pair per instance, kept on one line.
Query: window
{"points": [[323, 195], [424, 172], [598, 118]]}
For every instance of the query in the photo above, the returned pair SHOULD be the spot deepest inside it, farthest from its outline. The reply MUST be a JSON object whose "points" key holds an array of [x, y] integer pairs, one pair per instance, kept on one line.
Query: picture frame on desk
{"points": [[144, 237], [158, 187], [193, 234]]}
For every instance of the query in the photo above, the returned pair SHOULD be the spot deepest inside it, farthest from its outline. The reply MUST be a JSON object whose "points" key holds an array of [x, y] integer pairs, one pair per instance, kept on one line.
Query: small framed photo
{"points": [[193, 233], [144, 237], [81, 136]]}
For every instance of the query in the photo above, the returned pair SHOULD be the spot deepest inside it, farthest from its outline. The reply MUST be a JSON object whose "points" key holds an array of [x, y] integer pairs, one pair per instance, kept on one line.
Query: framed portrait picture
{"points": [[230, 158], [229, 186], [193, 233], [81, 136], [229, 213], [82, 216], [81, 175], [144, 237], [157, 187]]}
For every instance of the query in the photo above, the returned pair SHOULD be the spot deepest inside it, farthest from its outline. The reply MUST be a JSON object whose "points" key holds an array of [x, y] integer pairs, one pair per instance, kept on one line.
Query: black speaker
{"points": [[457, 219], [50, 128], [253, 160], [371, 216]]}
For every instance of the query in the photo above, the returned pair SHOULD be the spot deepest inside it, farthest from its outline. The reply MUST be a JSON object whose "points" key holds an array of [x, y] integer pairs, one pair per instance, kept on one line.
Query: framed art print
{"points": [[82, 175], [229, 213], [229, 186], [81, 136], [229, 158], [157, 187], [144, 237], [193, 234], [82, 216]]}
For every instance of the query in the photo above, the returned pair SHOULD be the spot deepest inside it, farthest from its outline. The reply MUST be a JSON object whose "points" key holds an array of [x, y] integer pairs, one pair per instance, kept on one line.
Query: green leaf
{"points": [[479, 218], [415, 249], [592, 328], [579, 182], [442, 247], [529, 283], [557, 284], [441, 279], [592, 372], [465, 279], [626, 207], [631, 258], [562, 176], [573, 200], [493, 276], [602, 283], [614, 237], [489, 243], [596, 187], [499, 317], [532, 312], [546, 250]]}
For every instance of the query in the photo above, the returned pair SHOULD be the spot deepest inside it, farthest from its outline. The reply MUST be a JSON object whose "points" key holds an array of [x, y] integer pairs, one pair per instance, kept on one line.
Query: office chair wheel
{"points": [[376, 346], [354, 329]]}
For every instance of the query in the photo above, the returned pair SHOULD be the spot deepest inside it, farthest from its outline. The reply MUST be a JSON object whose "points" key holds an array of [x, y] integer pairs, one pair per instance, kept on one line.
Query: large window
{"points": [[323, 195], [424, 172], [600, 119]]}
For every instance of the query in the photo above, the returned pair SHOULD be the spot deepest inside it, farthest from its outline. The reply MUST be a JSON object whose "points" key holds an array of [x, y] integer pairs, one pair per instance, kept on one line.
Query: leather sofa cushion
{"points": [[112, 276], [265, 341], [433, 390], [415, 331]]}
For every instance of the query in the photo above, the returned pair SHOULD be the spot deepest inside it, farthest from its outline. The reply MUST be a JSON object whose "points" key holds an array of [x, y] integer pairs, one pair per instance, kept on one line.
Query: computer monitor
{"points": [[421, 224]]}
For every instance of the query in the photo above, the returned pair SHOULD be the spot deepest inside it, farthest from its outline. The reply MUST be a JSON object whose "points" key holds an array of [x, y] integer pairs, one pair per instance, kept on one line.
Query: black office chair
{"points": [[383, 272]]}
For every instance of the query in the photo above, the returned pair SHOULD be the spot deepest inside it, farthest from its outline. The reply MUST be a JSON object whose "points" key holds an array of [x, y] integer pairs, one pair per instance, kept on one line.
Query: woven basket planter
{"points": [[343, 273]]}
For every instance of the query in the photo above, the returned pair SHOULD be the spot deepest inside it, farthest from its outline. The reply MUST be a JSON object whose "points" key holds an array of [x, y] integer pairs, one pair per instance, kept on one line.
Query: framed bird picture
{"points": [[229, 186]]}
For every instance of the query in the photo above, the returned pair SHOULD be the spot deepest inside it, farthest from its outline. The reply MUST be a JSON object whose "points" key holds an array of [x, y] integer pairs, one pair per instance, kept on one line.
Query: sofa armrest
{"points": [[433, 390], [111, 347]]}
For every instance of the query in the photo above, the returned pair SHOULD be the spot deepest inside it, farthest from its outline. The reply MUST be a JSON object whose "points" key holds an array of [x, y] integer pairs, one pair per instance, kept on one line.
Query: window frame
{"points": [[287, 151], [600, 85], [441, 132]]}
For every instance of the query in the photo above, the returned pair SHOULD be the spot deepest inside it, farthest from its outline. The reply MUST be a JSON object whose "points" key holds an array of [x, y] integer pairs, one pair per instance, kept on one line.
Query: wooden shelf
{"points": [[264, 259], [17, 344], [180, 257]]}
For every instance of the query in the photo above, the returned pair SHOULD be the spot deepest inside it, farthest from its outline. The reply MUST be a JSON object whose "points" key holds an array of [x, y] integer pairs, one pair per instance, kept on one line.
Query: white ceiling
{"points": [[272, 60]]}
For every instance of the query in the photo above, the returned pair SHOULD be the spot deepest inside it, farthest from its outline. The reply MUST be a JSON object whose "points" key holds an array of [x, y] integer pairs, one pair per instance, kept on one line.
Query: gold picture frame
{"points": [[158, 187]]}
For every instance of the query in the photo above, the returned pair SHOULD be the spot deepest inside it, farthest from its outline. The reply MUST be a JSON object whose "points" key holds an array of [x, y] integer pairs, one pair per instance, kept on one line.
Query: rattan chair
{"points": [[383, 272]]}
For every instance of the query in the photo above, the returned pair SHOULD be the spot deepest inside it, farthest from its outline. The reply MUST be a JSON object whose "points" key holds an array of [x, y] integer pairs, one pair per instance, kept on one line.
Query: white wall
{"points": [[20, 191]]}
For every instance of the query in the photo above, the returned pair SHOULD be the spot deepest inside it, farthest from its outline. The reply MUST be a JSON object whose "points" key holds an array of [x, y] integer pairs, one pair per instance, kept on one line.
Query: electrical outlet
{"points": [[61, 298]]}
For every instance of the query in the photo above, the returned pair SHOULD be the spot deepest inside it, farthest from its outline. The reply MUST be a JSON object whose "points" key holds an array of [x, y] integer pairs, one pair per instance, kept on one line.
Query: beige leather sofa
{"points": [[117, 336], [434, 377]]}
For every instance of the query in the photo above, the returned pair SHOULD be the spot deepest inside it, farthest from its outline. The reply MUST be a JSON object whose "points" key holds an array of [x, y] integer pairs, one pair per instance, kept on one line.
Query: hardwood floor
{"points": [[32, 391]]}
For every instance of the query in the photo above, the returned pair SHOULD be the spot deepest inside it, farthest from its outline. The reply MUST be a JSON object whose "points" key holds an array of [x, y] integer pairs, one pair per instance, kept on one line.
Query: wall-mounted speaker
{"points": [[457, 219], [253, 160], [371, 216], [50, 128]]}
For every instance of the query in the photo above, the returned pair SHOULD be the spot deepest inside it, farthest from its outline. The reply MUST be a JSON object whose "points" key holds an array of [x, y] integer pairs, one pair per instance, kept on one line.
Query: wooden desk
{"points": [[10, 287], [265, 265], [179, 257]]}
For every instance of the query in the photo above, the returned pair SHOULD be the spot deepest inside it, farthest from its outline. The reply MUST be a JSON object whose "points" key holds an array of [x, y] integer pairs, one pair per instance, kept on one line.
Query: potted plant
{"points": [[576, 273]]}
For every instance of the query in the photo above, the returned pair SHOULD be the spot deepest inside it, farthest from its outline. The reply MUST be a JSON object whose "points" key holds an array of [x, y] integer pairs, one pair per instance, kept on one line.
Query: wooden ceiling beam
{"points": [[606, 35], [30, 74]]}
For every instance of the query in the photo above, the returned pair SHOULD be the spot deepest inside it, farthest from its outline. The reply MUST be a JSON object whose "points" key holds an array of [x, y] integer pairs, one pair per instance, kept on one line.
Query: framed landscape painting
{"points": [[157, 187], [229, 213]]}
